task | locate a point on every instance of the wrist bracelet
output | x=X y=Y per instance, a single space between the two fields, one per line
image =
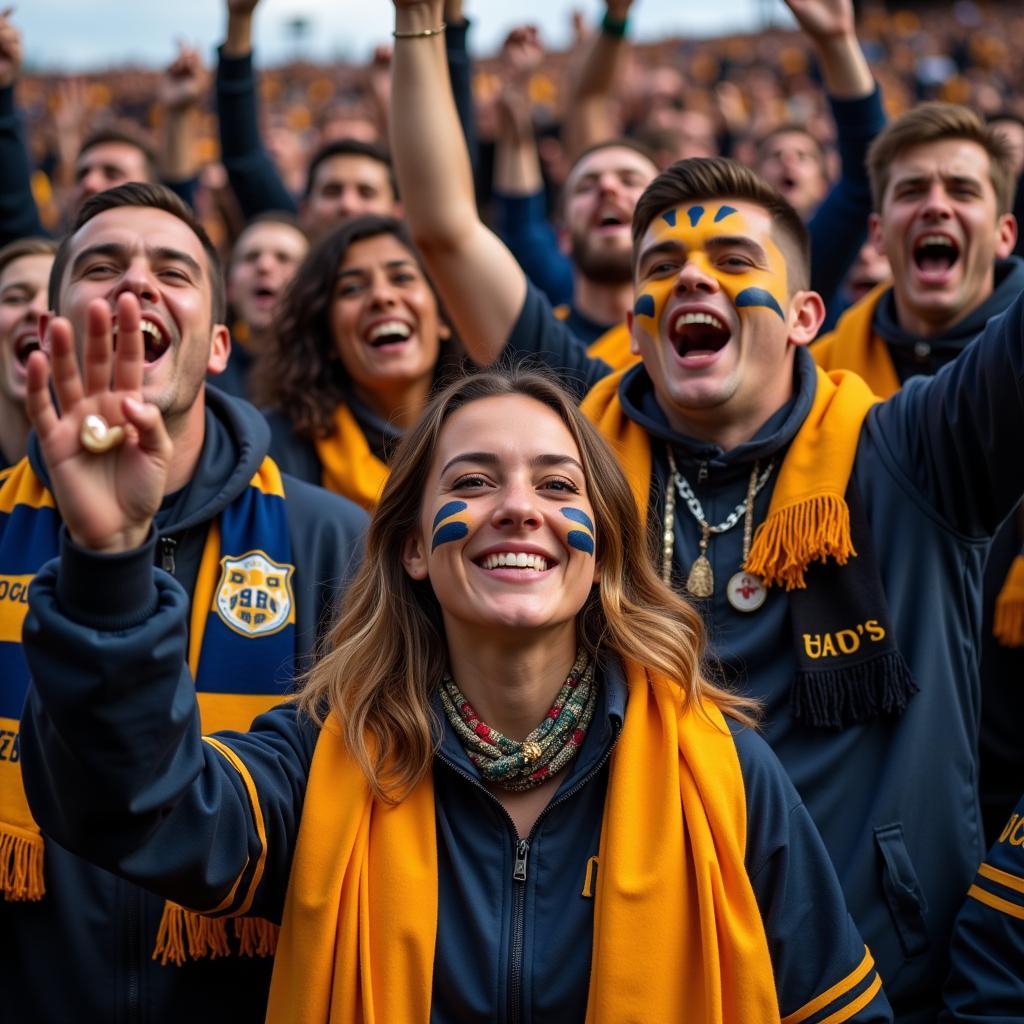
x=427 y=32
x=613 y=26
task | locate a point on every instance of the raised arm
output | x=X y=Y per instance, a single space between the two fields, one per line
x=19 y=217
x=251 y=171
x=182 y=88
x=589 y=117
x=482 y=285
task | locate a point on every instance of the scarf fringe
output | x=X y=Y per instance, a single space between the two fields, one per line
x=184 y=935
x=837 y=698
x=791 y=538
x=1008 y=624
x=21 y=866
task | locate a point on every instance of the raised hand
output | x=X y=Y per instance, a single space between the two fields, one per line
x=521 y=55
x=242 y=7
x=824 y=18
x=108 y=500
x=184 y=82
x=10 y=49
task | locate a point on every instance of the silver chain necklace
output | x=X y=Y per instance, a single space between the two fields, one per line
x=701 y=581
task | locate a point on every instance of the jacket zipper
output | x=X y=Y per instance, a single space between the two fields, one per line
x=167 y=547
x=519 y=870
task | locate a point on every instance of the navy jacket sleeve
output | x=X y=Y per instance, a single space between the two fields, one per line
x=823 y=970
x=19 y=217
x=253 y=176
x=114 y=764
x=460 y=72
x=523 y=225
x=955 y=438
x=986 y=980
x=185 y=190
x=839 y=226
x=538 y=336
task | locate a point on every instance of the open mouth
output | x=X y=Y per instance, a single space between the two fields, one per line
x=935 y=254
x=24 y=346
x=698 y=334
x=264 y=295
x=610 y=218
x=390 y=332
x=519 y=560
x=154 y=339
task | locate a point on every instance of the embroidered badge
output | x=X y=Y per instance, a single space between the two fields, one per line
x=254 y=595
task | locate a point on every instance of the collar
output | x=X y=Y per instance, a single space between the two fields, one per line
x=381 y=435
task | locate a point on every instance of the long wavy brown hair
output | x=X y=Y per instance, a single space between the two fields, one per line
x=387 y=653
x=299 y=372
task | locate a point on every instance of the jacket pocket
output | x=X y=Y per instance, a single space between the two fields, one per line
x=902 y=890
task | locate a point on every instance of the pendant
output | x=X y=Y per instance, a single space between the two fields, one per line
x=746 y=592
x=701 y=581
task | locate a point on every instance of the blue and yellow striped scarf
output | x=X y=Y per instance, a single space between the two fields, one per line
x=241 y=655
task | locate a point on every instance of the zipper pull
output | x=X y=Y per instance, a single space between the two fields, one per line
x=167 y=546
x=702 y=472
x=522 y=849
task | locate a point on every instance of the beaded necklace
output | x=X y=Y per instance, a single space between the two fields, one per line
x=546 y=751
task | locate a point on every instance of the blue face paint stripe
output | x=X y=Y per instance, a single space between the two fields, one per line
x=723 y=212
x=449 y=532
x=695 y=213
x=759 y=297
x=577 y=515
x=644 y=306
x=448 y=510
x=581 y=541
x=669 y=217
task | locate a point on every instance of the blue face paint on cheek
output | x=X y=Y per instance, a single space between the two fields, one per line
x=577 y=538
x=751 y=297
x=444 y=532
x=644 y=306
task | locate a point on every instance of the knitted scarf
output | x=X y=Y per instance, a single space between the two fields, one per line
x=349 y=467
x=613 y=348
x=855 y=346
x=676 y=923
x=241 y=654
x=849 y=669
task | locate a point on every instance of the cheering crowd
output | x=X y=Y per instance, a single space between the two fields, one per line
x=534 y=542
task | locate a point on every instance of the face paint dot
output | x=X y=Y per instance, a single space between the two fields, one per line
x=723 y=212
x=669 y=217
x=449 y=532
x=577 y=515
x=695 y=213
x=759 y=297
x=644 y=306
x=448 y=510
x=580 y=541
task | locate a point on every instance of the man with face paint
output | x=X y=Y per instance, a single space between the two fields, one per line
x=943 y=184
x=835 y=545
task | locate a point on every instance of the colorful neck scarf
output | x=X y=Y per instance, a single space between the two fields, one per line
x=349 y=467
x=853 y=671
x=546 y=751
x=241 y=655
x=676 y=922
x=614 y=348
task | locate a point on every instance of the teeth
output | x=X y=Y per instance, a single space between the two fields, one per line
x=515 y=560
x=390 y=327
x=935 y=240
x=146 y=327
x=686 y=319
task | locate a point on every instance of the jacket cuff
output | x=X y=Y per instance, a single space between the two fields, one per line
x=7 y=108
x=233 y=69
x=866 y=112
x=455 y=35
x=106 y=592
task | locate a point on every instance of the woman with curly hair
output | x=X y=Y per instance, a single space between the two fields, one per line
x=359 y=343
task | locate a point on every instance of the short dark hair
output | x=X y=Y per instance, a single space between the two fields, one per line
x=22 y=247
x=283 y=217
x=101 y=136
x=791 y=128
x=156 y=197
x=620 y=142
x=717 y=177
x=350 y=147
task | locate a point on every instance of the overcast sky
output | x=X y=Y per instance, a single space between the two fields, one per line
x=84 y=34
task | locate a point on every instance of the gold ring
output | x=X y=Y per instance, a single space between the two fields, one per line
x=97 y=436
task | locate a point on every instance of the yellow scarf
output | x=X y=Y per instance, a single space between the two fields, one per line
x=349 y=467
x=854 y=346
x=613 y=348
x=676 y=925
x=808 y=518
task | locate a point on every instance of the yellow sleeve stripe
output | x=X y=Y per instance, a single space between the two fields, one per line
x=857 y=1005
x=837 y=990
x=996 y=902
x=1002 y=877
x=261 y=831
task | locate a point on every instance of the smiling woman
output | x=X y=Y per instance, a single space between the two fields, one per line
x=507 y=790
x=359 y=344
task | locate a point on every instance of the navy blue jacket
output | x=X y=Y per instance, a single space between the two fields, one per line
x=838 y=227
x=176 y=817
x=100 y=929
x=938 y=468
x=986 y=982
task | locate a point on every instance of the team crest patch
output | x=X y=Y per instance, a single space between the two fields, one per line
x=254 y=595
